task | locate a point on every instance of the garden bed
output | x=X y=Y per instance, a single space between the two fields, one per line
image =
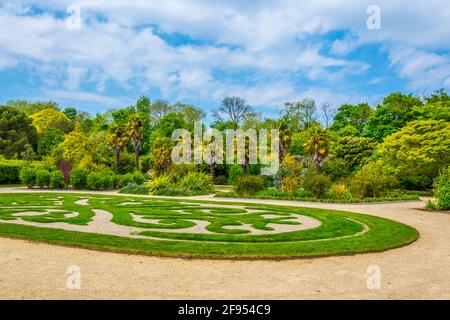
x=189 y=228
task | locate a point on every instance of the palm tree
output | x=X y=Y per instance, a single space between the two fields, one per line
x=285 y=136
x=117 y=140
x=135 y=129
x=318 y=145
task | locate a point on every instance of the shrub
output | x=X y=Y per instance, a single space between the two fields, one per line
x=133 y=188
x=134 y=178
x=126 y=163
x=172 y=190
x=42 y=178
x=291 y=184
x=441 y=186
x=159 y=183
x=430 y=205
x=220 y=180
x=316 y=183
x=371 y=182
x=254 y=169
x=10 y=171
x=100 y=180
x=197 y=182
x=28 y=176
x=78 y=178
x=339 y=191
x=336 y=169
x=57 y=180
x=146 y=162
x=249 y=184
x=234 y=173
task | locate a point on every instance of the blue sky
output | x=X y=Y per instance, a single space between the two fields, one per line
x=268 y=52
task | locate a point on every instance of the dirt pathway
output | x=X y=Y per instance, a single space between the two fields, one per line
x=418 y=271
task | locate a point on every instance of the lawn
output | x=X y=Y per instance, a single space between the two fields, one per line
x=174 y=227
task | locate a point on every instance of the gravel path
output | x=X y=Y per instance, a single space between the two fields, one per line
x=419 y=271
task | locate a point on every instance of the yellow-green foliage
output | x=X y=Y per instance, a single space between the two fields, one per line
x=371 y=181
x=50 y=118
x=158 y=183
x=418 y=151
x=74 y=147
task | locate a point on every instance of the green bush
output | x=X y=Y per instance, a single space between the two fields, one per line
x=316 y=183
x=159 y=183
x=10 y=171
x=57 y=180
x=135 y=178
x=102 y=180
x=254 y=169
x=220 y=180
x=28 y=176
x=234 y=173
x=78 y=178
x=133 y=188
x=441 y=187
x=126 y=163
x=249 y=184
x=429 y=205
x=172 y=190
x=193 y=183
x=371 y=182
x=339 y=191
x=197 y=182
x=336 y=169
x=42 y=178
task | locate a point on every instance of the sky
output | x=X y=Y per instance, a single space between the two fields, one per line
x=101 y=54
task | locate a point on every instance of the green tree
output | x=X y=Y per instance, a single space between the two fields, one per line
x=16 y=132
x=158 y=110
x=318 y=144
x=74 y=147
x=51 y=118
x=354 y=150
x=301 y=114
x=356 y=116
x=391 y=115
x=439 y=96
x=30 y=108
x=189 y=112
x=135 y=131
x=417 y=152
x=48 y=141
x=71 y=113
x=117 y=139
x=161 y=154
x=169 y=123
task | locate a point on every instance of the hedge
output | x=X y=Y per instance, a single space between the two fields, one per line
x=10 y=171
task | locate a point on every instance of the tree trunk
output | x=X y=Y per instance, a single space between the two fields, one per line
x=117 y=160
x=136 y=154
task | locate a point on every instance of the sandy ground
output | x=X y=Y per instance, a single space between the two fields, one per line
x=419 y=271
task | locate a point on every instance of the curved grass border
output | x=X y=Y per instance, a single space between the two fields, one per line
x=383 y=234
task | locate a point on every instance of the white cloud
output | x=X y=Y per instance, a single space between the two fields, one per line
x=85 y=97
x=424 y=70
x=271 y=44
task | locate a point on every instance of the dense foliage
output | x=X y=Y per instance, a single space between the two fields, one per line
x=354 y=153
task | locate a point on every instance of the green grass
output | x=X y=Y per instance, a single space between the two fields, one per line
x=174 y=214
